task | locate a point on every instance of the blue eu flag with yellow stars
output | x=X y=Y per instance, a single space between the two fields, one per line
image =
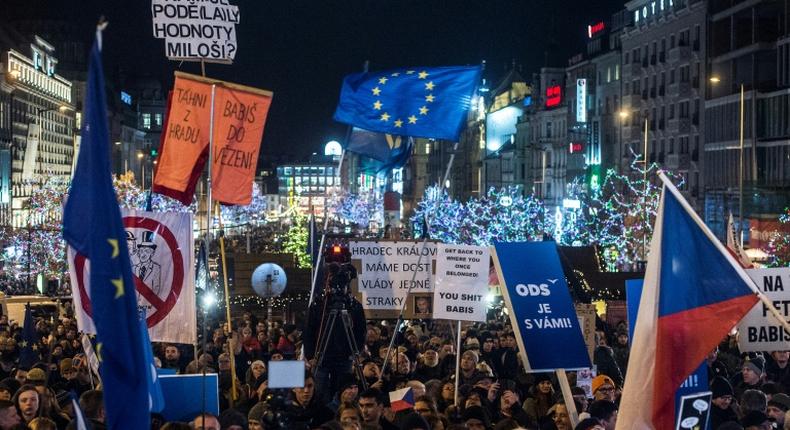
x=28 y=348
x=92 y=225
x=418 y=102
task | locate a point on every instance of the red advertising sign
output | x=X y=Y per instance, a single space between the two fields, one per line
x=594 y=29
x=553 y=96
x=576 y=147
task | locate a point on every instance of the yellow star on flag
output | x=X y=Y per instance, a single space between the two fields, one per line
x=118 y=287
x=35 y=347
x=429 y=86
x=396 y=74
x=412 y=119
x=114 y=244
x=410 y=72
x=422 y=75
x=376 y=91
x=383 y=80
x=377 y=105
x=23 y=344
x=423 y=110
x=398 y=123
x=385 y=116
x=429 y=98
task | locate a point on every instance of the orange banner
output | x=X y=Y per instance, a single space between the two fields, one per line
x=239 y=117
x=185 y=137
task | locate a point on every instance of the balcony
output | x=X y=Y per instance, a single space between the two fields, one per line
x=677 y=161
x=679 y=53
x=679 y=89
x=677 y=126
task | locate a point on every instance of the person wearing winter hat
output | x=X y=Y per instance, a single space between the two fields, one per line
x=753 y=370
x=778 y=407
x=255 y=416
x=603 y=388
x=722 y=409
x=541 y=397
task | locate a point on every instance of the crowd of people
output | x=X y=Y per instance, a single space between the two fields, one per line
x=352 y=392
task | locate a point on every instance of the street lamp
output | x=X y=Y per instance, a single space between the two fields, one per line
x=715 y=80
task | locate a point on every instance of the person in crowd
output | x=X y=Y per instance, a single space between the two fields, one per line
x=753 y=373
x=756 y=420
x=753 y=401
x=560 y=417
x=777 y=408
x=722 y=407
x=9 y=415
x=605 y=412
x=348 y=413
x=603 y=388
x=172 y=358
x=428 y=366
x=306 y=408
x=205 y=421
x=28 y=402
x=777 y=369
x=372 y=407
x=541 y=397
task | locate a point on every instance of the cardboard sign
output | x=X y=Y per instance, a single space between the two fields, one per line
x=385 y=271
x=196 y=30
x=758 y=330
x=542 y=314
x=461 y=282
x=586 y=314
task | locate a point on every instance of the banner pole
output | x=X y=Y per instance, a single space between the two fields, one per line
x=457 y=363
x=567 y=395
x=419 y=260
x=227 y=306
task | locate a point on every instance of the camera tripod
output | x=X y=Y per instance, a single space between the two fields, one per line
x=326 y=335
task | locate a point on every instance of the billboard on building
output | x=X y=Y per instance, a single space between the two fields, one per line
x=581 y=100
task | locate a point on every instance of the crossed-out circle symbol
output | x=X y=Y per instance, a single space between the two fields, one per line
x=163 y=307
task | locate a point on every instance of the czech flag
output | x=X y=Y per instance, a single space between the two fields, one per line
x=401 y=399
x=694 y=294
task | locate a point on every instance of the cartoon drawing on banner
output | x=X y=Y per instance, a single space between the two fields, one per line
x=148 y=270
x=131 y=244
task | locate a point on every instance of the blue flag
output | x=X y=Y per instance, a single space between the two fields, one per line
x=92 y=225
x=419 y=102
x=382 y=152
x=28 y=349
x=154 y=387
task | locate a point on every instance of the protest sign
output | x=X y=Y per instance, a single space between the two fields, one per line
x=184 y=396
x=586 y=314
x=240 y=113
x=385 y=271
x=584 y=379
x=161 y=253
x=694 y=411
x=759 y=330
x=461 y=282
x=196 y=30
x=542 y=314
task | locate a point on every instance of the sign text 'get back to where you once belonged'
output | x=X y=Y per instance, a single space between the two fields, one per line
x=759 y=330
x=386 y=270
x=461 y=282
x=197 y=29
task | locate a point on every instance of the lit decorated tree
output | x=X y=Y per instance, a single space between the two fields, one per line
x=295 y=240
x=358 y=209
x=503 y=215
x=779 y=244
x=252 y=213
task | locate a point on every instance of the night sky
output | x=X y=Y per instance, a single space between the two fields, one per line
x=301 y=49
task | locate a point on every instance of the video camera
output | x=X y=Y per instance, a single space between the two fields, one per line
x=339 y=278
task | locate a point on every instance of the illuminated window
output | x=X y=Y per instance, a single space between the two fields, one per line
x=427 y=149
x=158 y=119
x=146 y=120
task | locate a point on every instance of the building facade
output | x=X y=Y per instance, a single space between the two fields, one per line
x=663 y=69
x=38 y=122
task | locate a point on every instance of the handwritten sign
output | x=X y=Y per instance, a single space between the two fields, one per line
x=386 y=270
x=204 y=30
x=461 y=282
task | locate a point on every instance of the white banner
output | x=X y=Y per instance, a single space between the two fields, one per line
x=386 y=269
x=758 y=330
x=161 y=251
x=195 y=30
x=581 y=100
x=31 y=152
x=461 y=282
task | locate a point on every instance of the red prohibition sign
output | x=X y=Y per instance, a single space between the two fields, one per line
x=163 y=307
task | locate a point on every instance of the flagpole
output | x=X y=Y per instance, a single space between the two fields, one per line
x=457 y=363
x=736 y=265
x=231 y=348
x=419 y=261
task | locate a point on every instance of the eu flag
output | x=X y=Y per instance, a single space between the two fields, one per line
x=418 y=102
x=28 y=349
x=92 y=225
